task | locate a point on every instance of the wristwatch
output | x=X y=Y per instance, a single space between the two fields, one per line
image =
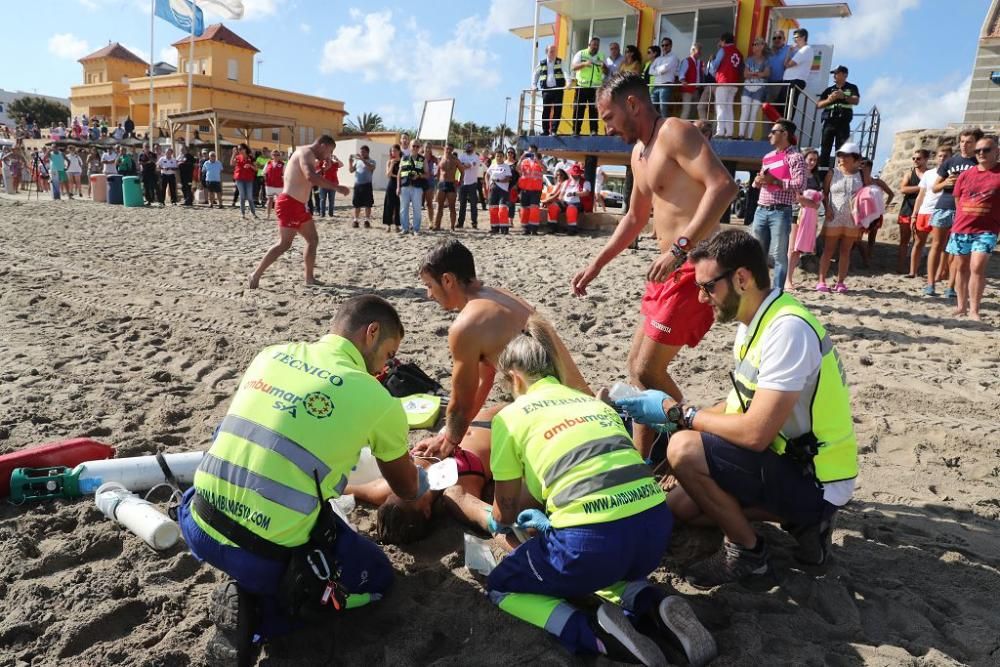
x=675 y=414
x=689 y=415
x=681 y=247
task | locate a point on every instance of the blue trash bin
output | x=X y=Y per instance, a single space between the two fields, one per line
x=115 y=190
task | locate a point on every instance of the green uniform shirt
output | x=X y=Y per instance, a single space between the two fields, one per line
x=574 y=455
x=299 y=407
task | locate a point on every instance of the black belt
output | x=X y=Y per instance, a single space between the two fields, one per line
x=775 y=207
x=237 y=534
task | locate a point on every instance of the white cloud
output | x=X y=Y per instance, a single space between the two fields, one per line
x=507 y=14
x=255 y=9
x=871 y=27
x=427 y=68
x=168 y=54
x=67 y=45
x=946 y=101
x=305 y=27
x=137 y=50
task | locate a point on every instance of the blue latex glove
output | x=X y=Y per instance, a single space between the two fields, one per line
x=647 y=408
x=423 y=483
x=494 y=526
x=533 y=519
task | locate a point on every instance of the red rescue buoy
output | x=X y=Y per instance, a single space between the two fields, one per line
x=69 y=453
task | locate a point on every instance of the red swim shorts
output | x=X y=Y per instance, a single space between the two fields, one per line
x=923 y=224
x=673 y=313
x=291 y=213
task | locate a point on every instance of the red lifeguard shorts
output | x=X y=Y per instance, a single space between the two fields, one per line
x=674 y=316
x=291 y=213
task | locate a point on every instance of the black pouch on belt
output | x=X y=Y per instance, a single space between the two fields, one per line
x=310 y=587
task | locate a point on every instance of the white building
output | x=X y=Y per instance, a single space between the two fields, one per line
x=8 y=96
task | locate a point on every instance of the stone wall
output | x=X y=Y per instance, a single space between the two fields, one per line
x=902 y=149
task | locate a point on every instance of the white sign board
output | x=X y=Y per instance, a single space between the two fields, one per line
x=819 y=69
x=435 y=121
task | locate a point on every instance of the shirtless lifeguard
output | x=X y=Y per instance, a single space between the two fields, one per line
x=290 y=206
x=674 y=167
x=488 y=319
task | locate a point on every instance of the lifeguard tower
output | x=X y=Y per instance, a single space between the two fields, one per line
x=642 y=23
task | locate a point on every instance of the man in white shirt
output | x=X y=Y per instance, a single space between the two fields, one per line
x=664 y=73
x=108 y=159
x=615 y=58
x=797 y=68
x=468 y=191
x=168 y=177
x=782 y=446
x=551 y=80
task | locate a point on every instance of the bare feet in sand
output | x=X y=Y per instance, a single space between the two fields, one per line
x=961 y=312
x=789 y=287
x=975 y=316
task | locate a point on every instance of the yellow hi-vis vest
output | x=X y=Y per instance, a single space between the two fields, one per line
x=824 y=405
x=574 y=455
x=300 y=407
x=592 y=75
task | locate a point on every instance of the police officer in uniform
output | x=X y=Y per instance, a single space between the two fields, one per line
x=782 y=446
x=837 y=102
x=605 y=525
x=258 y=509
x=550 y=79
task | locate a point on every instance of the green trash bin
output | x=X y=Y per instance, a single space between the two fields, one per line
x=132 y=191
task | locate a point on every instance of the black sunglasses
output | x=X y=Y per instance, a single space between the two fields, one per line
x=709 y=287
x=982 y=151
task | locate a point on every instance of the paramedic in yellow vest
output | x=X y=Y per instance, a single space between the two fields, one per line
x=782 y=446
x=295 y=429
x=605 y=524
x=589 y=67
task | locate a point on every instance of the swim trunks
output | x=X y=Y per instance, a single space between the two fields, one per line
x=468 y=463
x=291 y=213
x=446 y=187
x=673 y=313
x=923 y=223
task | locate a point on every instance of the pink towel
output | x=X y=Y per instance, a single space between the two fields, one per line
x=805 y=233
x=868 y=205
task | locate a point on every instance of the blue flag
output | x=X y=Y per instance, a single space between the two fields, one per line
x=179 y=12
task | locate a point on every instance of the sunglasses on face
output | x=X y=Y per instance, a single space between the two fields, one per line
x=709 y=287
x=777 y=130
x=983 y=151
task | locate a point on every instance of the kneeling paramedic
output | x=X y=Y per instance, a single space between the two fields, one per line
x=606 y=528
x=782 y=446
x=259 y=507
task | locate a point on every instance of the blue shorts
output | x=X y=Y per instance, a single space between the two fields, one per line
x=765 y=479
x=942 y=219
x=966 y=244
x=364 y=567
x=575 y=562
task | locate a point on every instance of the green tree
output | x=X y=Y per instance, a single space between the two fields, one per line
x=42 y=111
x=364 y=123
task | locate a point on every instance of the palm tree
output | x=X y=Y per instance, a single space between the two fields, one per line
x=364 y=124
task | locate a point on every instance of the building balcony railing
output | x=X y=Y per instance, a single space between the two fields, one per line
x=567 y=118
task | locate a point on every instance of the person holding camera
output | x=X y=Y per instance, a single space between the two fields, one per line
x=362 y=166
x=837 y=103
x=782 y=446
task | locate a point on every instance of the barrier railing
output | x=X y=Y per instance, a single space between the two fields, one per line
x=560 y=112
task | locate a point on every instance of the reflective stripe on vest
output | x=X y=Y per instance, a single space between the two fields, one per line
x=252 y=432
x=576 y=455
x=824 y=404
x=542 y=73
x=276 y=492
x=411 y=169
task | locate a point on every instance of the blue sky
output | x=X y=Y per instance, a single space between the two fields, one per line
x=912 y=58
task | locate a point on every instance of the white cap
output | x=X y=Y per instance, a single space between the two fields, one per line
x=849 y=148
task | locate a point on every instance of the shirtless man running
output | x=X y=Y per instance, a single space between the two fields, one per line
x=674 y=167
x=290 y=207
x=488 y=319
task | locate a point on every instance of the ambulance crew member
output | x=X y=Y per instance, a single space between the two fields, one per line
x=531 y=183
x=499 y=175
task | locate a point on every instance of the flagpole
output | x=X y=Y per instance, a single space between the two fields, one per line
x=152 y=14
x=190 y=64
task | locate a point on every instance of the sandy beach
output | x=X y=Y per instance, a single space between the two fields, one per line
x=133 y=326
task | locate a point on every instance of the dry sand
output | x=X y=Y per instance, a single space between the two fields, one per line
x=133 y=326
